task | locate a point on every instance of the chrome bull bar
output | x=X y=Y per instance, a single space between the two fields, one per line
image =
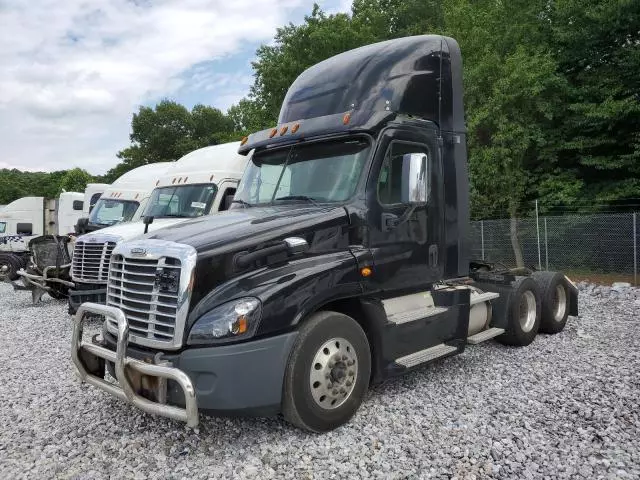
x=125 y=391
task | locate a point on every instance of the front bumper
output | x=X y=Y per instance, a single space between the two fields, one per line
x=238 y=379
x=81 y=293
x=125 y=365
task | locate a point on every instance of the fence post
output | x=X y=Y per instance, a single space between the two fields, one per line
x=482 y=236
x=635 y=250
x=546 y=245
x=538 y=232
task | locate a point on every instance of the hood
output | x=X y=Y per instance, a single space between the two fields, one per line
x=249 y=226
x=130 y=230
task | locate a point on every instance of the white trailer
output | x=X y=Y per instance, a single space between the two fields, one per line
x=30 y=217
x=125 y=199
x=203 y=182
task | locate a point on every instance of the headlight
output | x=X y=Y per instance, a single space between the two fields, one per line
x=230 y=321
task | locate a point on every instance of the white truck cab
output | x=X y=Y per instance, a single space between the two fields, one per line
x=31 y=217
x=125 y=199
x=92 y=194
x=203 y=182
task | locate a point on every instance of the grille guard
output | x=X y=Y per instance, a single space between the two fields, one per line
x=125 y=390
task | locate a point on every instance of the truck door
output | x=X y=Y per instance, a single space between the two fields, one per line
x=408 y=256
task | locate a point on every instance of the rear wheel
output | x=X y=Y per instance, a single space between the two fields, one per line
x=554 y=292
x=327 y=374
x=524 y=314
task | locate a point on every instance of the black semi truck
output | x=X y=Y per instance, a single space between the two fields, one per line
x=343 y=261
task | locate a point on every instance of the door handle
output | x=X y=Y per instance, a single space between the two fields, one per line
x=433 y=255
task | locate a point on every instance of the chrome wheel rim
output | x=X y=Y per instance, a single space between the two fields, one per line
x=333 y=375
x=559 y=303
x=527 y=311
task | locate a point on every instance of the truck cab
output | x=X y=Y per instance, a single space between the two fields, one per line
x=92 y=194
x=124 y=200
x=31 y=217
x=200 y=183
x=343 y=260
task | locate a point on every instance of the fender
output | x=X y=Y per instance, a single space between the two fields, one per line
x=289 y=291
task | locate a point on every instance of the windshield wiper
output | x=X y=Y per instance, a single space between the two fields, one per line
x=241 y=202
x=298 y=197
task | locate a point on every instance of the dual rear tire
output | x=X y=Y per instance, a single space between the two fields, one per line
x=539 y=303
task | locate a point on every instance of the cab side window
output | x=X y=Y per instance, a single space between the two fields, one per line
x=390 y=179
x=24 y=229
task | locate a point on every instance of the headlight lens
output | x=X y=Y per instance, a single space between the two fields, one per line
x=230 y=321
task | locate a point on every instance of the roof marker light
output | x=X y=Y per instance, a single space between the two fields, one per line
x=346 y=118
x=244 y=140
x=283 y=130
x=295 y=128
x=174 y=181
x=273 y=133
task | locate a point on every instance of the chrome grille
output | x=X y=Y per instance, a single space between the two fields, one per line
x=90 y=261
x=134 y=287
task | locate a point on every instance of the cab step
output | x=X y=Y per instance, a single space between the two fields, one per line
x=410 y=308
x=484 y=335
x=425 y=355
x=417 y=314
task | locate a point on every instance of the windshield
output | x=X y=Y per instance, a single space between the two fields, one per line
x=110 y=212
x=319 y=172
x=3 y=227
x=181 y=201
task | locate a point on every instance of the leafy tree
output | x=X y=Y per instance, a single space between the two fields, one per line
x=168 y=131
x=75 y=180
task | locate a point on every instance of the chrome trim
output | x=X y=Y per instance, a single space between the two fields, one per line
x=125 y=391
x=159 y=250
x=93 y=239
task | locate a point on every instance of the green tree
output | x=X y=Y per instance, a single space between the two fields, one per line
x=75 y=180
x=168 y=131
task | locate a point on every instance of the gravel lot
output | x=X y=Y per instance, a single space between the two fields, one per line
x=565 y=407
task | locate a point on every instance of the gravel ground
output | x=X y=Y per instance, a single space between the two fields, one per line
x=565 y=407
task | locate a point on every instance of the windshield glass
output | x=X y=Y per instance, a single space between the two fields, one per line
x=3 y=227
x=181 y=201
x=321 y=172
x=110 y=212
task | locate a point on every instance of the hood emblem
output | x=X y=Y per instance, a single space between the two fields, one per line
x=138 y=252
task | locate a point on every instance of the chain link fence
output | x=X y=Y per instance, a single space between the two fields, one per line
x=586 y=244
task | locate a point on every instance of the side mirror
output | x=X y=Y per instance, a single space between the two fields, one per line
x=81 y=226
x=415 y=179
x=147 y=220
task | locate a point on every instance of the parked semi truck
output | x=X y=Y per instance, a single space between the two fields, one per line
x=344 y=260
x=31 y=217
x=199 y=183
x=92 y=194
x=123 y=200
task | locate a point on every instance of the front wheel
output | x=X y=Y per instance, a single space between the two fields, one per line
x=327 y=374
x=9 y=266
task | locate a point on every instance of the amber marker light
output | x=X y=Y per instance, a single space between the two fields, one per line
x=295 y=128
x=157 y=183
x=283 y=130
x=366 y=272
x=273 y=133
x=346 y=119
x=244 y=140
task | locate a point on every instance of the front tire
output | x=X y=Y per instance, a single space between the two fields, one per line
x=9 y=266
x=327 y=374
x=524 y=313
x=555 y=301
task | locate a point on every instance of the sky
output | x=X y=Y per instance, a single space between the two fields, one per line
x=73 y=72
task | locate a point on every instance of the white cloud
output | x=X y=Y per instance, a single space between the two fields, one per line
x=74 y=71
